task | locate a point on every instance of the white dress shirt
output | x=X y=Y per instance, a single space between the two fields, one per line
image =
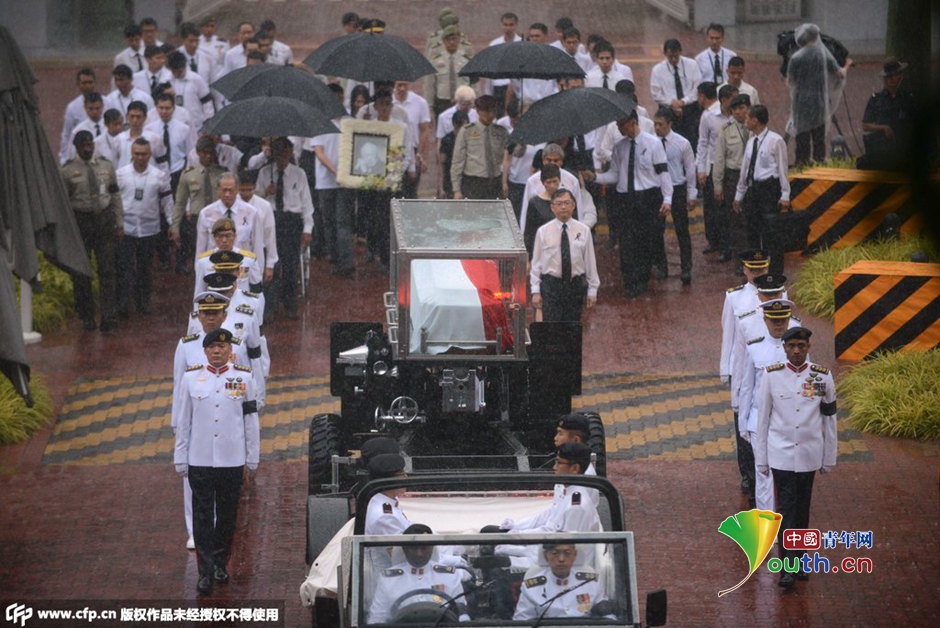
x=134 y=59
x=709 y=127
x=192 y=94
x=608 y=136
x=226 y=156
x=445 y=121
x=267 y=223
x=416 y=107
x=205 y=63
x=595 y=78
x=329 y=142
x=772 y=163
x=531 y=90
x=142 y=215
x=234 y=59
x=143 y=79
x=650 y=168
x=663 y=82
x=706 y=64
x=218 y=47
x=297 y=197
x=681 y=160
x=125 y=141
x=74 y=115
x=546 y=255
x=502 y=40
x=182 y=140
x=249 y=227
x=747 y=88
x=109 y=147
x=280 y=54
x=121 y=102
x=534 y=187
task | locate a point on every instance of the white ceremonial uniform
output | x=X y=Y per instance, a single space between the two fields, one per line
x=121 y=102
x=249 y=229
x=546 y=256
x=145 y=80
x=192 y=94
x=182 y=140
x=534 y=187
x=241 y=321
x=797 y=423
x=738 y=300
x=586 y=591
x=384 y=516
x=394 y=582
x=709 y=127
x=445 y=121
x=747 y=325
x=595 y=78
x=772 y=163
x=142 y=216
x=211 y=429
x=681 y=161
x=132 y=58
x=663 y=82
x=296 y=190
x=572 y=510
x=706 y=64
x=255 y=302
x=248 y=272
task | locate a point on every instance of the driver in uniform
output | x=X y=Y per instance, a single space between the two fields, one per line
x=557 y=592
x=418 y=579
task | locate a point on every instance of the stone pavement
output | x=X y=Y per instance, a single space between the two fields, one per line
x=91 y=506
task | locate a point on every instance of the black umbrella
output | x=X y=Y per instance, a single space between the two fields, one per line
x=265 y=116
x=285 y=81
x=572 y=112
x=367 y=57
x=34 y=206
x=522 y=59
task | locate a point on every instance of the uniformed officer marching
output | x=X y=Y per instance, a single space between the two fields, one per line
x=557 y=592
x=217 y=436
x=761 y=351
x=477 y=163
x=418 y=571
x=196 y=190
x=225 y=257
x=448 y=57
x=797 y=433
x=245 y=309
x=95 y=199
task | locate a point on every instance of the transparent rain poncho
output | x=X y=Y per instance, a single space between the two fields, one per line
x=815 y=80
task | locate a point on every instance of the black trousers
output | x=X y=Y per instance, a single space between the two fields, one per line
x=135 y=259
x=562 y=301
x=99 y=235
x=516 y=192
x=711 y=214
x=815 y=139
x=637 y=217
x=687 y=124
x=762 y=198
x=735 y=228
x=499 y=93
x=440 y=106
x=336 y=206
x=288 y=232
x=794 y=494
x=745 y=455
x=680 y=221
x=187 y=250
x=378 y=213
x=481 y=187
x=216 y=491
x=163 y=242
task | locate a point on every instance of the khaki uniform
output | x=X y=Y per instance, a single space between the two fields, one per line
x=729 y=151
x=478 y=154
x=434 y=39
x=191 y=195
x=99 y=212
x=441 y=86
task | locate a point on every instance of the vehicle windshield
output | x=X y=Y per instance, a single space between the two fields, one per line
x=494 y=580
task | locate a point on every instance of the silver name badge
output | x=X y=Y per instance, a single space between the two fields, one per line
x=138 y=194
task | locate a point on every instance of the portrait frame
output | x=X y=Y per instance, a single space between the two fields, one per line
x=352 y=170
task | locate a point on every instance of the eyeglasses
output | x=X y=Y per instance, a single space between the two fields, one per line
x=562 y=203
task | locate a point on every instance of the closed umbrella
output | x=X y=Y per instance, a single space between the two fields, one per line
x=572 y=112
x=265 y=116
x=522 y=59
x=368 y=57
x=284 y=81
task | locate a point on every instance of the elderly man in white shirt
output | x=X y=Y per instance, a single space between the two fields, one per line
x=551 y=154
x=249 y=233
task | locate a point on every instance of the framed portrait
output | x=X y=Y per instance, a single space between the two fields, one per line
x=371 y=155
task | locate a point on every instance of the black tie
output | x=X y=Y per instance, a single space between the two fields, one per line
x=207 y=189
x=279 y=192
x=97 y=130
x=753 y=164
x=631 y=164
x=140 y=65
x=679 y=93
x=717 y=70
x=192 y=64
x=228 y=213
x=153 y=83
x=166 y=143
x=565 y=254
x=605 y=82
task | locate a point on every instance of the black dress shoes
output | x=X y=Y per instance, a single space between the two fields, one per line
x=204 y=586
x=686 y=277
x=220 y=575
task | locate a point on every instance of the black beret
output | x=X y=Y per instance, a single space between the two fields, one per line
x=575 y=422
x=418 y=528
x=377 y=446
x=799 y=333
x=217 y=335
x=740 y=99
x=385 y=466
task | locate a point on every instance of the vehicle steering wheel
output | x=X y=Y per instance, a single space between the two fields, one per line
x=429 y=611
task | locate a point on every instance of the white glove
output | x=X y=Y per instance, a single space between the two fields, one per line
x=725 y=379
x=182 y=469
x=464 y=617
x=507 y=524
x=746 y=436
x=826 y=469
x=763 y=469
x=252 y=466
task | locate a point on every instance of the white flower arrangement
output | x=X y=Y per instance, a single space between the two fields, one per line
x=390 y=135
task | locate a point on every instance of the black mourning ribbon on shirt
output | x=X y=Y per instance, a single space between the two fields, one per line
x=753 y=163
x=565 y=254
x=679 y=93
x=279 y=192
x=631 y=166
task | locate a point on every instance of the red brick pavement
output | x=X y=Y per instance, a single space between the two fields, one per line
x=115 y=531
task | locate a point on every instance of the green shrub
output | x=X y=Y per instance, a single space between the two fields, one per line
x=55 y=305
x=17 y=422
x=847 y=163
x=896 y=394
x=814 y=288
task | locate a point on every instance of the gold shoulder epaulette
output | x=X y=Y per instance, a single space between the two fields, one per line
x=535 y=582
x=205 y=254
x=736 y=288
x=253 y=295
x=755 y=340
x=774 y=367
x=585 y=575
x=248 y=254
x=389 y=573
x=818 y=369
x=444 y=568
x=746 y=314
x=190 y=337
x=194 y=367
x=244 y=308
x=242 y=367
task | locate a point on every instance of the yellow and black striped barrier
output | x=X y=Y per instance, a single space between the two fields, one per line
x=886 y=305
x=848 y=206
